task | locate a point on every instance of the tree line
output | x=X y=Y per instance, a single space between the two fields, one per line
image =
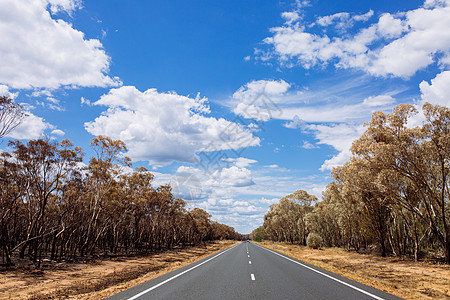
x=53 y=206
x=392 y=195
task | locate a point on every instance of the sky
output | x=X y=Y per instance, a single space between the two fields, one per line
x=236 y=104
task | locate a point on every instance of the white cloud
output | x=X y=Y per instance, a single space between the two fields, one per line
x=308 y=145
x=39 y=51
x=397 y=45
x=241 y=162
x=438 y=92
x=257 y=99
x=165 y=127
x=68 y=6
x=340 y=137
x=380 y=100
x=4 y=91
x=232 y=177
x=58 y=132
x=328 y=20
x=85 y=101
x=290 y=16
x=295 y=123
x=391 y=27
x=332 y=112
x=343 y=20
x=272 y=166
x=363 y=17
x=52 y=104
x=32 y=127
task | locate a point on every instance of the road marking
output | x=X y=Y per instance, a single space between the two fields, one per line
x=178 y=275
x=326 y=275
x=252 y=276
x=248 y=255
x=249 y=262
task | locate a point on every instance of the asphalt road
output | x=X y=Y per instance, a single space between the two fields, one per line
x=249 y=271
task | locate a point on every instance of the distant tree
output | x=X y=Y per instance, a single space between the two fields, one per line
x=258 y=234
x=11 y=115
x=285 y=220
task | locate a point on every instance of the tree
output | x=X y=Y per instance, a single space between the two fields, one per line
x=11 y=115
x=285 y=220
x=417 y=156
x=103 y=170
x=44 y=166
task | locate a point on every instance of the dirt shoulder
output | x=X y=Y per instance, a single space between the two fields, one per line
x=98 y=279
x=403 y=278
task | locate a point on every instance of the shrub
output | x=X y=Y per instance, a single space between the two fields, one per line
x=314 y=240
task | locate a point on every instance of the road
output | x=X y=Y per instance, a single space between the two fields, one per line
x=249 y=271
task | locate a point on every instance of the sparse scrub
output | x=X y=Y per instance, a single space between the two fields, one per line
x=314 y=240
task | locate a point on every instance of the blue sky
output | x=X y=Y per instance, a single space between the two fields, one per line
x=234 y=103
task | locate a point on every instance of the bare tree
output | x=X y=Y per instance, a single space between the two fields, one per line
x=11 y=115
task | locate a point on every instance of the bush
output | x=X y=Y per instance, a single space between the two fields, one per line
x=314 y=240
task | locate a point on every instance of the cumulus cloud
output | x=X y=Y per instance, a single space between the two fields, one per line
x=295 y=123
x=165 y=127
x=39 y=51
x=438 y=92
x=257 y=99
x=340 y=137
x=32 y=127
x=4 y=91
x=241 y=162
x=68 y=6
x=343 y=20
x=396 y=45
x=232 y=177
x=332 y=112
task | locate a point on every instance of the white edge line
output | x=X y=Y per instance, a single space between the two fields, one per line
x=326 y=275
x=173 y=277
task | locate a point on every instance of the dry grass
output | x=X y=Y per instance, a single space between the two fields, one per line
x=100 y=279
x=403 y=278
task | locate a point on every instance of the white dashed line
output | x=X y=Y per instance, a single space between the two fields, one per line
x=250 y=262
x=252 y=276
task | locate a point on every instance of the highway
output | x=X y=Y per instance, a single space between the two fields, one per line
x=249 y=271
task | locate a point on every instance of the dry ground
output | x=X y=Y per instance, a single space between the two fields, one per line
x=99 y=279
x=400 y=277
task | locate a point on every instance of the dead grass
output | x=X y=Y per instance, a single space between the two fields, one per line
x=99 y=279
x=401 y=277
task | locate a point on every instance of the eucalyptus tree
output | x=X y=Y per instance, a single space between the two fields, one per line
x=417 y=155
x=44 y=166
x=11 y=115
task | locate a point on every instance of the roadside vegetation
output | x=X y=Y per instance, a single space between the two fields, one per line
x=54 y=208
x=391 y=198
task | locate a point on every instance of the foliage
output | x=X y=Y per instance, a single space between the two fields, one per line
x=55 y=207
x=393 y=194
x=314 y=240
